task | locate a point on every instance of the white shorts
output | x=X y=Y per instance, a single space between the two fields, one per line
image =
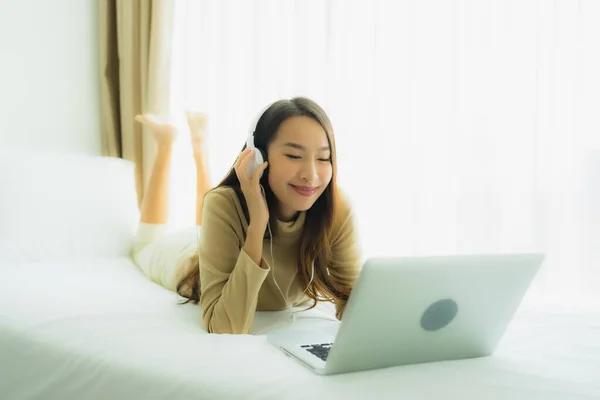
x=164 y=256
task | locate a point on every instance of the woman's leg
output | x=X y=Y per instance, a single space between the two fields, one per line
x=156 y=254
x=197 y=123
x=154 y=208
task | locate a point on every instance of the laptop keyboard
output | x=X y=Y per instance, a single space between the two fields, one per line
x=319 y=350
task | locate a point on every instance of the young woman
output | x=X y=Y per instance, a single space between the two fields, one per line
x=270 y=239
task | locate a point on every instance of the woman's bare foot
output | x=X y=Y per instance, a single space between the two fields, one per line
x=164 y=133
x=197 y=122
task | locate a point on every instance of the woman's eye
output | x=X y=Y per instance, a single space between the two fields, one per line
x=325 y=159
x=293 y=157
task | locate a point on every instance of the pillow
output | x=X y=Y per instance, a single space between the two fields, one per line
x=58 y=206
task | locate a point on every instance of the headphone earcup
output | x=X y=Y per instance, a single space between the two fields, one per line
x=259 y=156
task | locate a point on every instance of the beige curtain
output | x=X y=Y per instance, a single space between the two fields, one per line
x=135 y=56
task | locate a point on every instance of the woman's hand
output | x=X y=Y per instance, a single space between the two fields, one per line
x=250 y=184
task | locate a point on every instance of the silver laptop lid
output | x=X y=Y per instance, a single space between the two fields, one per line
x=420 y=309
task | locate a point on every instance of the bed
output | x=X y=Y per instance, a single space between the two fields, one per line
x=81 y=322
x=97 y=329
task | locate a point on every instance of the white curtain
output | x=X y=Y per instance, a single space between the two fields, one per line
x=462 y=126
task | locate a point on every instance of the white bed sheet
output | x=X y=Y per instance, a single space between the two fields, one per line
x=97 y=329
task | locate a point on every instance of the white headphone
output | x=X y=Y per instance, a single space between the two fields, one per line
x=259 y=154
x=259 y=158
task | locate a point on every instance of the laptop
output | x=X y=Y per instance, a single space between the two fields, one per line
x=415 y=310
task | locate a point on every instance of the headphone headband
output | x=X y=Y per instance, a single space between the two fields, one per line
x=252 y=129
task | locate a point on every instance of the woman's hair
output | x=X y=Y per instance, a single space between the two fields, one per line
x=315 y=244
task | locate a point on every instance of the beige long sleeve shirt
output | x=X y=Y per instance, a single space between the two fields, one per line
x=233 y=287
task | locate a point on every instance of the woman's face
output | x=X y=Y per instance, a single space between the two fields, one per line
x=299 y=165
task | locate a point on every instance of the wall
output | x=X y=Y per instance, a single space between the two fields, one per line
x=49 y=75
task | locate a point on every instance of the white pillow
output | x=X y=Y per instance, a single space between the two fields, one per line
x=60 y=206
